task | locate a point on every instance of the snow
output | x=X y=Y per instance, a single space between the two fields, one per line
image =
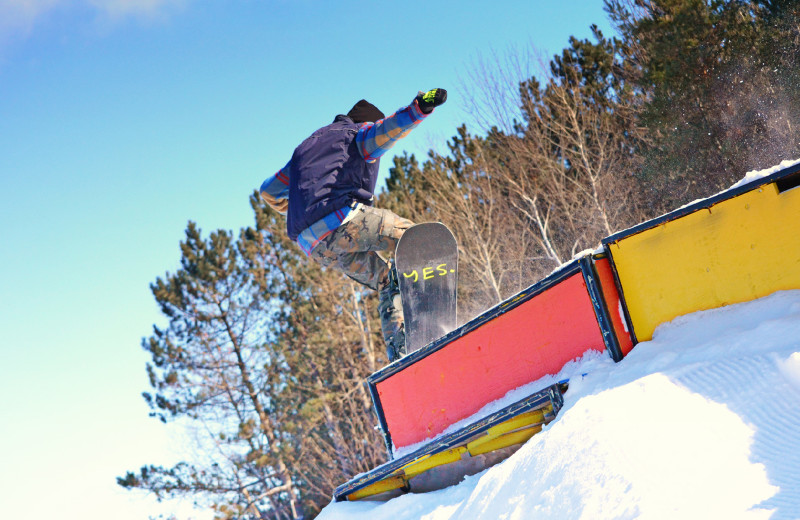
x=622 y=317
x=760 y=174
x=703 y=421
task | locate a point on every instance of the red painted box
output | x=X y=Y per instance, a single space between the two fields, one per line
x=531 y=335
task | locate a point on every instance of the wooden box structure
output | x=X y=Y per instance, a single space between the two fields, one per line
x=737 y=246
x=531 y=335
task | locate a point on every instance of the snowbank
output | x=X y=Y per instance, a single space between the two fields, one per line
x=701 y=422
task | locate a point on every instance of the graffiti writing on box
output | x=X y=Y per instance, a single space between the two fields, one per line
x=429 y=273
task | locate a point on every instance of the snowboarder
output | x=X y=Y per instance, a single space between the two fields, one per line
x=326 y=192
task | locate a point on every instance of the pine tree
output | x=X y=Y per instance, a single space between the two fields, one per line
x=266 y=354
x=211 y=366
x=720 y=78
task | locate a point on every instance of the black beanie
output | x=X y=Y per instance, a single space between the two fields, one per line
x=365 y=112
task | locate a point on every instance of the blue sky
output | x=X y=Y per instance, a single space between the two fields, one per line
x=121 y=120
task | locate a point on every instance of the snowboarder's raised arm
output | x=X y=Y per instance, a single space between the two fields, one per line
x=375 y=139
x=275 y=190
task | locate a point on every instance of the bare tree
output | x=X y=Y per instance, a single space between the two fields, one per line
x=568 y=161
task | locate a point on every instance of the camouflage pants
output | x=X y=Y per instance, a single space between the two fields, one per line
x=354 y=250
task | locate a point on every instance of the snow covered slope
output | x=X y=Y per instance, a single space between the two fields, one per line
x=701 y=422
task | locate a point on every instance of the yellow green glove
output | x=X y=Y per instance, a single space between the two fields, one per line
x=431 y=99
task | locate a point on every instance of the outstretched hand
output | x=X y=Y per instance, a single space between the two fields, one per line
x=431 y=99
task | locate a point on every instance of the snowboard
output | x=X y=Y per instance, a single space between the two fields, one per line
x=427 y=270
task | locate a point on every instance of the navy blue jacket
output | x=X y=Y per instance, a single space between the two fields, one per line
x=328 y=173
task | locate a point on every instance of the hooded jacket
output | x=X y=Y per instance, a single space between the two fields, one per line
x=334 y=169
x=328 y=173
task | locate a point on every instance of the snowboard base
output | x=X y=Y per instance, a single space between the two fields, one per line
x=427 y=270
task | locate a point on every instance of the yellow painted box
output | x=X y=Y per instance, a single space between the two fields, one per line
x=737 y=246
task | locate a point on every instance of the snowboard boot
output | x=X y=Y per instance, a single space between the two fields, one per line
x=390 y=308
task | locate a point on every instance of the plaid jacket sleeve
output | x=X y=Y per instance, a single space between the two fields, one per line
x=375 y=139
x=275 y=190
